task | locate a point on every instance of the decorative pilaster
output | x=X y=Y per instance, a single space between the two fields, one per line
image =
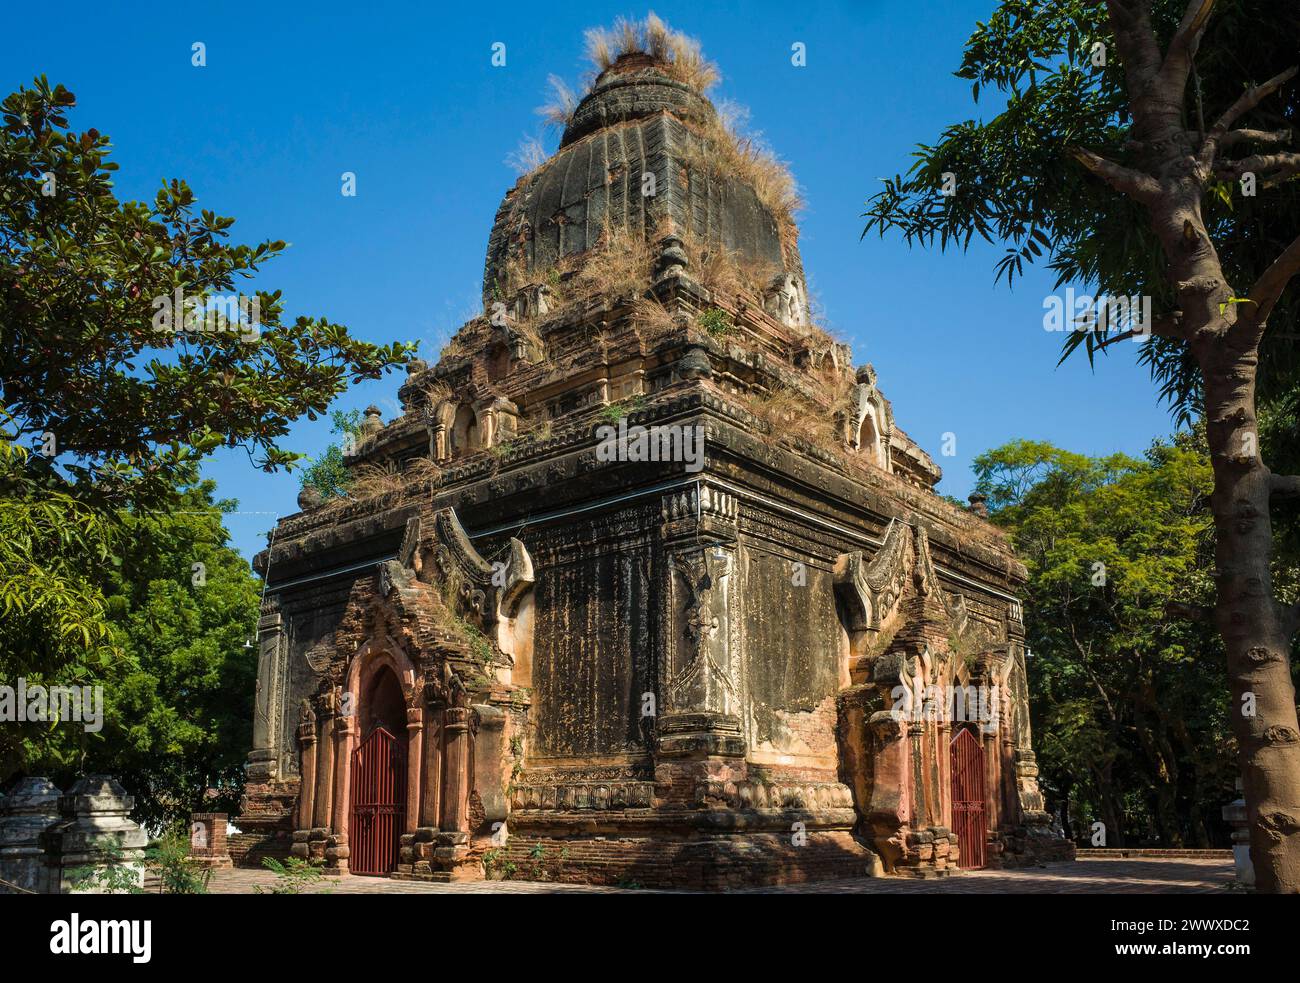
x=263 y=762
x=700 y=678
x=304 y=812
x=336 y=844
x=491 y=758
x=431 y=801
x=414 y=763
x=321 y=817
x=418 y=855
x=307 y=745
x=455 y=805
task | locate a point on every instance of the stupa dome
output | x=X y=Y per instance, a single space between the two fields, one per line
x=643 y=153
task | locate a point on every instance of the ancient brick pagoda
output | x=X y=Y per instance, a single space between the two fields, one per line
x=512 y=655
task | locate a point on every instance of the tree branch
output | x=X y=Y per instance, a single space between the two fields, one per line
x=1272 y=282
x=1247 y=101
x=1131 y=22
x=1165 y=325
x=1188 y=612
x=1262 y=165
x=1254 y=136
x=1135 y=184
x=1182 y=48
x=1168 y=325
x=1284 y=486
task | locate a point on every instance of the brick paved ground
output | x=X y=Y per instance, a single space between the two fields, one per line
x=1107 y=876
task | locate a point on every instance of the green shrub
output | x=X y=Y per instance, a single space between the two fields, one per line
x=716 y=322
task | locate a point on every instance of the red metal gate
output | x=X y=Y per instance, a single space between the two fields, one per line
x=968 y=798
x=378 y=803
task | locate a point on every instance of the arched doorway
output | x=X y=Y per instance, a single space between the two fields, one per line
x=968 y=820
x=379 y=778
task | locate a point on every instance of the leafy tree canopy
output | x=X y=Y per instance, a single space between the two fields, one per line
x=95 y=349
x=181 y=610
x=1130 y=706
x=126 y=355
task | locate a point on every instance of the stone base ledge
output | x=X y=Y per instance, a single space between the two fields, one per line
x=714 y=863
x=1116 y=853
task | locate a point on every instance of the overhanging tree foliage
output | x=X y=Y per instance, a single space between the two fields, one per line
x=97 y=352
x=1126 y=175
x=126 y=355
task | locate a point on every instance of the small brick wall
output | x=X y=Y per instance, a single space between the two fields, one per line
x=249 y=849
x=214 y=850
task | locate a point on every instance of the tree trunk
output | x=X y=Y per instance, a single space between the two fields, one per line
x=1200 y=837
x=1164 y=785
x=1109 y=813
x=1176 y=166
x=1253 y=625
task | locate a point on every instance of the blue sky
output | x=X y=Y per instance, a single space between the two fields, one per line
x=405 y=96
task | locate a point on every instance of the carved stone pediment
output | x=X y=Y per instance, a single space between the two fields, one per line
x=533 y=301
x=869 y=419
x=873 y=590
x=893 y=669
x=957 y=612
x=393 y=575
x=487 y=591
x=787 y=301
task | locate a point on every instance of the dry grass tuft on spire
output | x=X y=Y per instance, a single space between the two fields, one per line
x=558 y=112
x=681 y=57
x=679 y=54
x=527 y=157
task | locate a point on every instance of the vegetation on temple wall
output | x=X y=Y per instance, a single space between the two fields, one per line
x=328 y=473
x=680 y=55
x=371 y=480
x=715 y=322
x=730 y=151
